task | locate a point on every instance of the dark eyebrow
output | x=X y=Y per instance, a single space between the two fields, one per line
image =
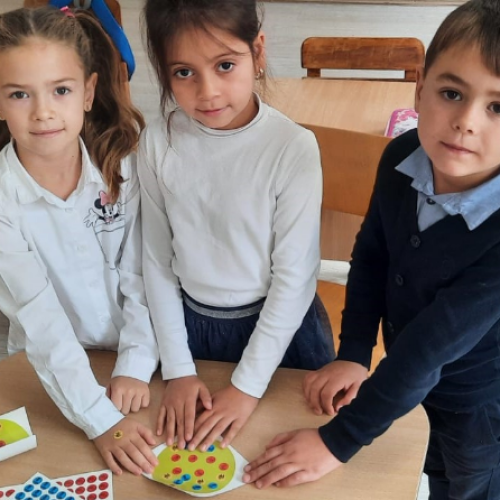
x=22 y=87
x=451 y=77
x=218 y=56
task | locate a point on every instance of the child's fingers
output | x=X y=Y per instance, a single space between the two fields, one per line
x=146 y=399
x=205 y=397
x=117 y=399
x=160 y=421
x=125 y=459
x=146 y=434
x=136 y=403
x=216 y=431
x=179 y=420
x=347 y=397
x=171 y=426
x=111 y=463
x=189 y=418
x=231 y=433
x=205 y=423
x=327 y=396
x=126 y=404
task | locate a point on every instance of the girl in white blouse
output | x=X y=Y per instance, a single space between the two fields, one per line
x=231 y=197
x=70 y=249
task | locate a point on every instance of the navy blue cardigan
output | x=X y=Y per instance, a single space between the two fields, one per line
x=437 y=293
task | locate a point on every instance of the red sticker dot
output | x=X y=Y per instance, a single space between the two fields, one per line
x=92 y=488
x=10 y=493
x=104 y=494
x=3 y=443
x=80 y=480
x=92 y=496
x=176 y=458
x=80 y=490
x=176 y=470
x=1 y=494
x=92 y=479
x=103 y=477
x=68 y=483
x=192 y=458
x=211 y=459
x=199 y=472
x=103 y=486
x=224 y=466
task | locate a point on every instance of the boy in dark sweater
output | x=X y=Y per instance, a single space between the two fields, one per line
x=427 y=264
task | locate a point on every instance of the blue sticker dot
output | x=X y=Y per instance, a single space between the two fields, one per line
x=20 y=496
x=45 y=485
x=211 y=448
x=196 y=487
x=37 y=493
x=212 y=486
x=186 y=477
x=178 y=481
x=70 y=498
x=53 y=490
x=61 y=495
x=45 y=497
x=29 y=487
x=38 y=480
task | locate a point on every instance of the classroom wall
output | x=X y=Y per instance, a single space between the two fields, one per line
x=286 y=24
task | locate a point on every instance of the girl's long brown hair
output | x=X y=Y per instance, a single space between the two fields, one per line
x=111 y=129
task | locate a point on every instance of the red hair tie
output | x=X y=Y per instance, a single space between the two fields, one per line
x=67 y=11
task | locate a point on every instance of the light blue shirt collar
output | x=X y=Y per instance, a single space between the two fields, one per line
x=474 y=205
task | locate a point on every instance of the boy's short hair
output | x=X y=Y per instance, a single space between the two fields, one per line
x=475 y=23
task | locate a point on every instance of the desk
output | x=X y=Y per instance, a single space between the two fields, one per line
x=388 y=470
x=357 y=105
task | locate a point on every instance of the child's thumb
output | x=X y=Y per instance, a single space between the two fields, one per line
x=206 y=398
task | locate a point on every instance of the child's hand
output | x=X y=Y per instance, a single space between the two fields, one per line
x=291 y=458
x=333 y=386
x=178 y=408
x=128 y=444
x=128 y=394
x=231 y=409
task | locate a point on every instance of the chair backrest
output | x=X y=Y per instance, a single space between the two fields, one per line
x=354 y=53
x=349 y=170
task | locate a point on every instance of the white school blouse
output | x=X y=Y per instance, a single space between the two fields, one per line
x=70 y=280
x=230 y=216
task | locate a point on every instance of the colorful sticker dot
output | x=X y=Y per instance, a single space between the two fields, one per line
x=68 y=483
x=2 y=443
x=196 y=487
x=92 y=488
x=61 y=495
x=92 y=496
x=211 y=448
x=212 y=486
x=199 y=472
x=103 y=477
x=103 y=486
x=103 y=495
x=176 y=457
x=45 y=497
x=192 y=458
x=80 y=490
x=178 y=481
x=176 y=470
x=53 y=490
x=29 y=487
x=92 y=479
x=223 y=466
x=186 y=477
x=80 y=480
x=211 y=460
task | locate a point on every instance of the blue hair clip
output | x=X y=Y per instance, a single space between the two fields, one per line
x=110 y=25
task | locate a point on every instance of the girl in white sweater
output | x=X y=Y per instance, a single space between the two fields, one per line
x=231 y=197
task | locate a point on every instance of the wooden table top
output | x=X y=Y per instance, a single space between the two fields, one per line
x=389 y=469
x=357 y=105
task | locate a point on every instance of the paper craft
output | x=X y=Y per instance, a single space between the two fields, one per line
x=198 y=473
x=401 y=121
x=91 y=485
x=15 y=434
x=40 y=487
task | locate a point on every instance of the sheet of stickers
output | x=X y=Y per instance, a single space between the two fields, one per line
x=197 y=473
x=15 y=434
x=87 y=486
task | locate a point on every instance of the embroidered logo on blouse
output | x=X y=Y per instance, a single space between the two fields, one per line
x=105 y=218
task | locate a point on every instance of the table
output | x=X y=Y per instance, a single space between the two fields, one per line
x=357 y=105
x=388 y=470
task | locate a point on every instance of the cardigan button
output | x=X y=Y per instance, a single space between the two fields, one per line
x=430 y=201
x=415 y=241
x=399 y=280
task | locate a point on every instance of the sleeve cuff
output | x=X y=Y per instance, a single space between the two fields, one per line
x=129 y=364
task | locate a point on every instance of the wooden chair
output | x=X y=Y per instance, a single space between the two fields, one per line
x=353 y=53
x=348 y=176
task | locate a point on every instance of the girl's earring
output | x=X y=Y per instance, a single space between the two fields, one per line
x=87 y=107
x=259 y=74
